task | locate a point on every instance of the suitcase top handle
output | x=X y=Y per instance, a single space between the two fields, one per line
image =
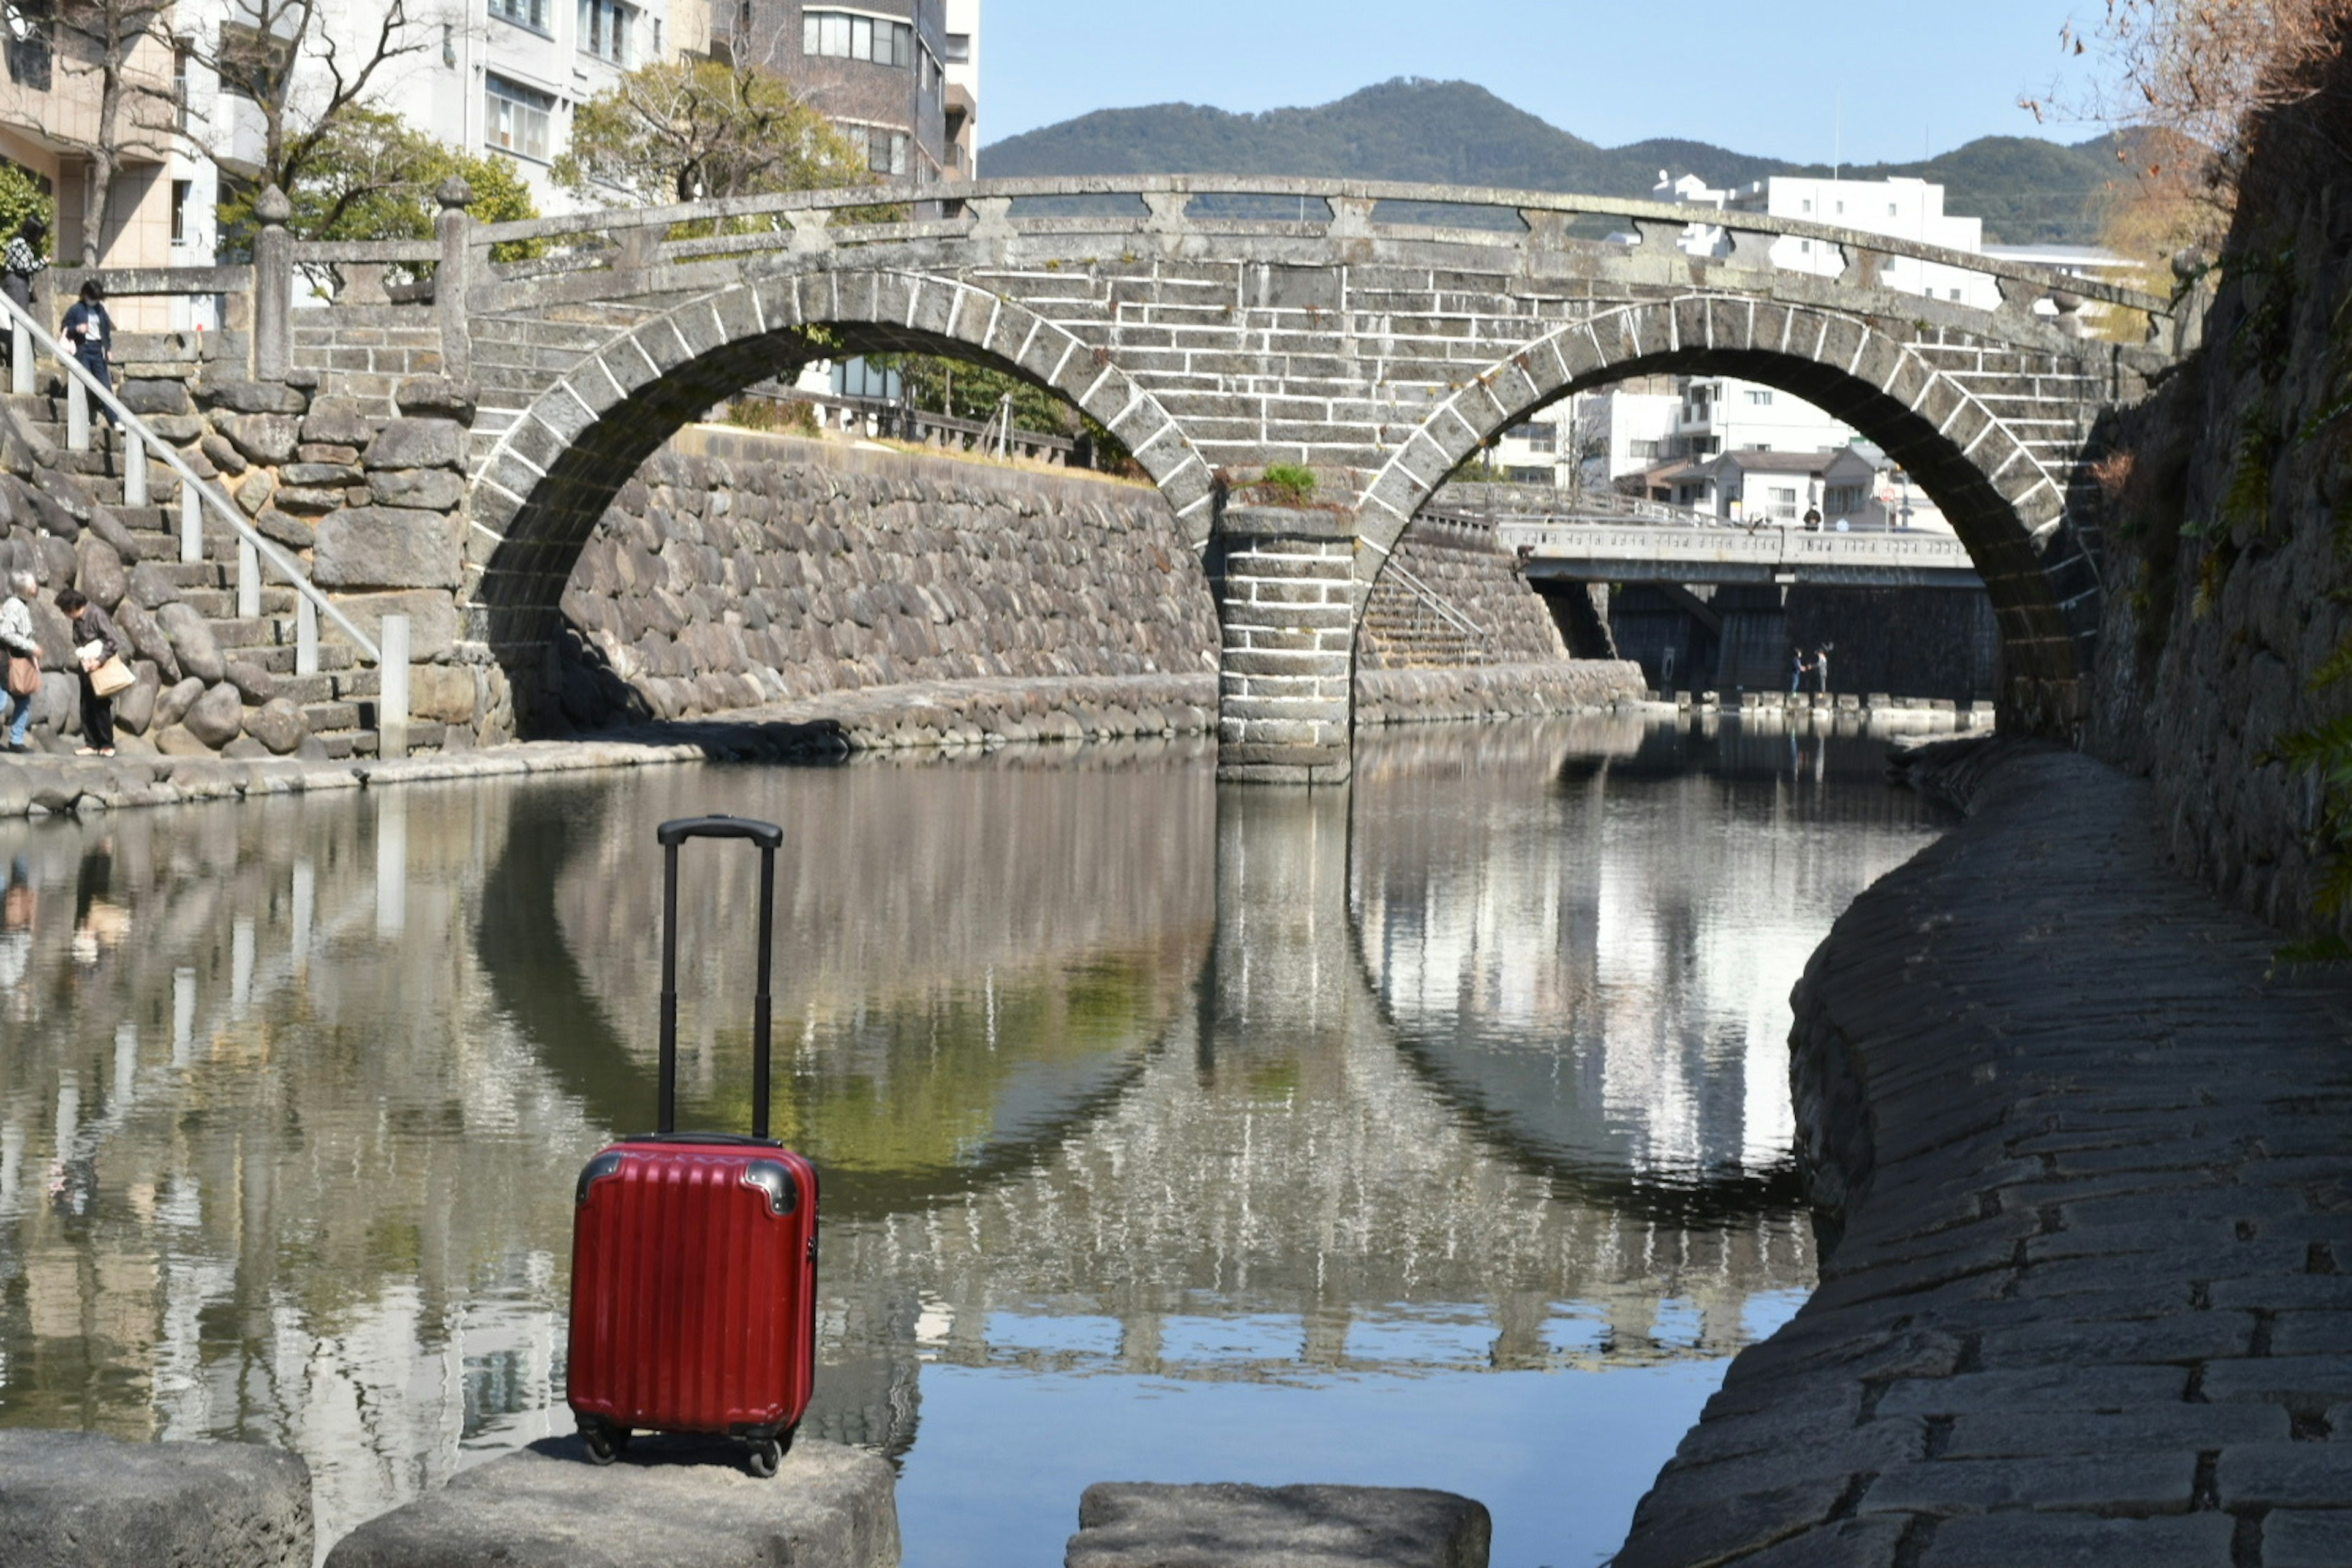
x=768 y=837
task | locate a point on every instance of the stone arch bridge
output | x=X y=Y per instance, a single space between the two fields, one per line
x=1378 y=334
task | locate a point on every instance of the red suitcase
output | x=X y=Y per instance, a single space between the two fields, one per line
x=694 y=1254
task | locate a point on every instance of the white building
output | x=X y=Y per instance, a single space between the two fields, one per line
x=963 y=63
x=1721 y=414
x=485 y=76
x=1864 y=489
x=1903 y=209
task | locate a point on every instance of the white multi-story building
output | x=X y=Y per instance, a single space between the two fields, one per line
x=1720 y=414
x=962 y=61
x=1902 y=209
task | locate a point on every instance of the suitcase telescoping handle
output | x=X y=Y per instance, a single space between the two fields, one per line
x=768 y=837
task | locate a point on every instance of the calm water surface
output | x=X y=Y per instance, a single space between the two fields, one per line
x=1434 y=1132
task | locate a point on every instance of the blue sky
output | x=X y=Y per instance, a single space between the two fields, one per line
x=1767 y=77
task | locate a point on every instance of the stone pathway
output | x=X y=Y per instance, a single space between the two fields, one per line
x=2093 y=1300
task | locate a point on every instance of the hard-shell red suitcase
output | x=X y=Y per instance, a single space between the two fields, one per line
x=694 y=1254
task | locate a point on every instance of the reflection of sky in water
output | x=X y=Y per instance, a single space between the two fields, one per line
x=1558 y=1459
x=292 y=1095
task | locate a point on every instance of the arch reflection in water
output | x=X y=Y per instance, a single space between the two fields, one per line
x=291 y=1096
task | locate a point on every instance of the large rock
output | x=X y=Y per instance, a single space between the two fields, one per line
x=437 y=397
x=156 y=398
x=667 y=1501
x=152 y=586
x=217 y=717
x=134 y=710
x=431 y=620
x=193 y=643
x=436 y=489
x=261 y=438
x=174 y=703
x=279 y=725
x=224 y=455
x=108 y=527
x=253 y=683
x=146 y=634
x=417 y=444
x=175 y=740
x=99 y=572
x=76 y=1500
x=388 y=547
x=338 y=420
x=1136 y=1525
x=442 y=692
x=256 y=396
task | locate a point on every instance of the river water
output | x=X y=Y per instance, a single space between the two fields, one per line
x=1432 y=1132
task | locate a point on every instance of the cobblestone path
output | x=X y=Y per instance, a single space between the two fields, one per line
x=2092 y=1300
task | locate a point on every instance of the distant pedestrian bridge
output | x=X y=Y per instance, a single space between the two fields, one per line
x=1773 y=554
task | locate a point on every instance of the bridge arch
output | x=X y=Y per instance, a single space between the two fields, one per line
x=2004 y=504
x=537 y=493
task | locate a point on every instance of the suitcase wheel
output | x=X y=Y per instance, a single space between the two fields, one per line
x=767 y=1457
x=604 y=1443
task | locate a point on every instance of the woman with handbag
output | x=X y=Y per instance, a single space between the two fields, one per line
x=22 y=655
x=103 y=672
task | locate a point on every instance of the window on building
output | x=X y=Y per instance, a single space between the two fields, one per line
x=183 y=54
x=1760 y=394
x=1956 y=293
x=1783 y=502
x=1644 y=448
x=885 y=150
x=1809 y=206
x=531 y=14
x=846 y=35
x=958 y=48
x=1891 y=210
x=182 y=191
x=604 y=29
x=932 y=74
x=1528 y=476
x=1841 y=208
x=855 y=378
x=1756 y=445
x=1804 y=247
x=518 y=117
x=1842 y=500
x=1540 y=437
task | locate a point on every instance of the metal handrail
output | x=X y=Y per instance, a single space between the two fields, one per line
x=210 y=493
x=1633 y=210
x=1436 y=601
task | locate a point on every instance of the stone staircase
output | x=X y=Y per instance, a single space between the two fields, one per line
x=337 y=702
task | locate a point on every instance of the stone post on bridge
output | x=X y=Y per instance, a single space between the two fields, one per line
x=1284 y=579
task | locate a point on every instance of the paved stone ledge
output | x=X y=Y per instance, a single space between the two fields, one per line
x=667 y=1500
x=2089 y=1176
x=77 y=1500
x=1131 y=1524
x=1493 y=691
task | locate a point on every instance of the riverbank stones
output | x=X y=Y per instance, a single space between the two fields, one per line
x=666 y=1500
x=77 y=1500
x=1128 y=1524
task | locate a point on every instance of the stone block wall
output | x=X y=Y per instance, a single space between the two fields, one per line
x=1461 y=564
x=2230 y=566
x=364 y=351
x=739 y=569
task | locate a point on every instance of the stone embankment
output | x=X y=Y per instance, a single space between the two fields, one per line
x=2082 y=1153
x=738 y=570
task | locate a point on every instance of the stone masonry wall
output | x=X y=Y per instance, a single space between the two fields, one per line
x=2230 y=569
x=739 y=569
x=1460 y=563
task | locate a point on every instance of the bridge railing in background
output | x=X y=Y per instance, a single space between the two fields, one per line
x=1779 y=545
x=1163 y=207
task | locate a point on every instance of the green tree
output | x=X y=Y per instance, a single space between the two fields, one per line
x=374 y=176
x=686 y=130
x=24 y=194
x=963 y=390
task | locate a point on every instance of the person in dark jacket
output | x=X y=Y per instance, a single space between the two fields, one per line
x=19 y=265
x=100 y=642
x=88 y=332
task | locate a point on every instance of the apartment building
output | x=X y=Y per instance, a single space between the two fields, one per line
x=876 y=68
x=159 y=212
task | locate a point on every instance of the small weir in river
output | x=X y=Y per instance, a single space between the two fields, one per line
x=1434 y=1131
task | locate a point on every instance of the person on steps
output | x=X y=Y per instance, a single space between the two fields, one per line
x=88 y=332
x=16 y=641
x=100 y=641
x=19 y=264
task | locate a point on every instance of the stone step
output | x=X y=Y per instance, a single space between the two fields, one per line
x=334 y=658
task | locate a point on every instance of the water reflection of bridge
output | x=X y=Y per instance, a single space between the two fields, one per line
x=259 y=1179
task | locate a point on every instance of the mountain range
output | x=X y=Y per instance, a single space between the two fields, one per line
x=2028 y=191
